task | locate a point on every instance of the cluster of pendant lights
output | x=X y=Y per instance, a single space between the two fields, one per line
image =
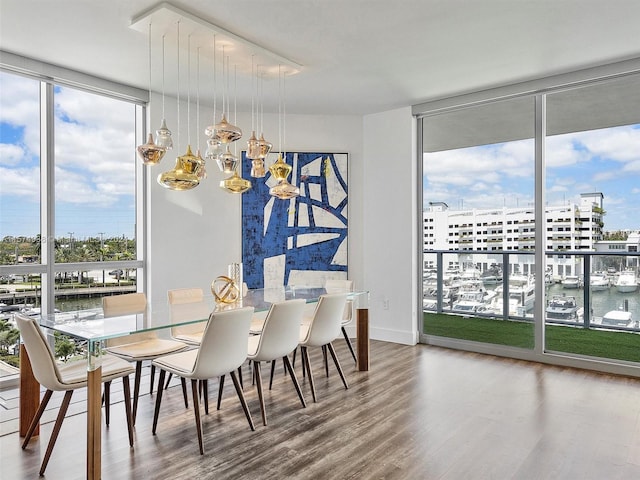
x=189 y=169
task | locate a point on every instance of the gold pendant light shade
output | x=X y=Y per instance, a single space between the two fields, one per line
x=227 y=132
x=235 y=184
x=284 y=190
x=257 y=168
x=265 y=147
x=184 y=176
x=280 y=170
x=253 y=147
x=150 y=153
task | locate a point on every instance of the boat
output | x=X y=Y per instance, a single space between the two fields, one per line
x=618 y=318
x=492 y=275
x=571 y=281
x=521 y=296
x=599 y=281
x=564 y=308
x=626 y=282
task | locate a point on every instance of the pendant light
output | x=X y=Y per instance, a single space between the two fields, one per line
x=201 y=172
x=183 y=176
x=253 y=145
x=235 y=183
x=214 y=145
x=280 y=170
x=150 y=153
x=224 y=130
x=163 y=134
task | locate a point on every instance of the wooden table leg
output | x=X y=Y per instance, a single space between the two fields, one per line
x=362 y=338
x=94 y=418
x=29 y=394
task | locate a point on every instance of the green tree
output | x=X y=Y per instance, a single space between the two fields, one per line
x=64 y=346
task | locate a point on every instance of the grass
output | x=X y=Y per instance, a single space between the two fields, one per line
x=594 y=343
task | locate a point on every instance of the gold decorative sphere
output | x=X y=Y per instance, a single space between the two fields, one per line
x=225 y=290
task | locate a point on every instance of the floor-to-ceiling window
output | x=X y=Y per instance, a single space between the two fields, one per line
x=70 y=203
x=573 y=176
x=478 y=230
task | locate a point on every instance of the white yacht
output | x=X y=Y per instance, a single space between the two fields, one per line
x=599 y=281
x=571 y=281
x=564 y=308
x=521 y=296
x=626 y=282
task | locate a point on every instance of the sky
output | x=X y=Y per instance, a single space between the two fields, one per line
x=493 y=176
x=94 y=162
x=95 y=167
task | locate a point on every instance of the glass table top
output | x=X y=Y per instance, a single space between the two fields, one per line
x=91 y=325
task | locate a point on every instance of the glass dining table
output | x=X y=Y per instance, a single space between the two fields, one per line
x=92 y=327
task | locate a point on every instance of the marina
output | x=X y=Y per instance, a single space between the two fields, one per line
x=610 y=305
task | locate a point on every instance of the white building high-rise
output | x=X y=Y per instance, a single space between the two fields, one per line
x=571 y=227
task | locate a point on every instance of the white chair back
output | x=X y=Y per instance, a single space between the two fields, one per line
x=187 y=304
x=224 y=343
x=281 y=331
x=185 y=295
x=42 y=359
x=337 y=286
x=125 y=304
x=327 y=320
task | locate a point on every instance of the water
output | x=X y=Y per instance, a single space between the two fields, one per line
x=602 y=301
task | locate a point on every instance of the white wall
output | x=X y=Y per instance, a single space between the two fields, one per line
x=195 y=235
x=389 y=215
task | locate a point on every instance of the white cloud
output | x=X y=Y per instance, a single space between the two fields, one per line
x=10 y=154
x=20 y=182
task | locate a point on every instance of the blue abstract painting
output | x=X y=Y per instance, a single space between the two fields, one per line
x=301 y=241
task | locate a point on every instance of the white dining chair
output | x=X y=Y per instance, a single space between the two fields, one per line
x=188 y=304
x=339 y=285
x=279 y=337
x=66 y=378
x=321 y=331
x=222 y=350
x=138 y=347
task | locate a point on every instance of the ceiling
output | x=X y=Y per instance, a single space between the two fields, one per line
x=358 y=56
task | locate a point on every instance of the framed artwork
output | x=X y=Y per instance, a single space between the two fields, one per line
x=301 y=241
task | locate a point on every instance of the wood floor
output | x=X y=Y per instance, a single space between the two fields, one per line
x=420 y=413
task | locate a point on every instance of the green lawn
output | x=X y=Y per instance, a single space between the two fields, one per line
x=595 y=343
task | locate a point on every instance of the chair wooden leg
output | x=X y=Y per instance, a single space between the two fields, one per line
x=337 y=362
x=220 y=387
x=196 y=412
x=258 y=373
x=305 y=359
x=56 y=429
x=205 y=395
x=153 y=377
x=348 y=340
x=36 y=418
x=156 y=411
x=107 y=402
x=136 y=389
x=126 y=388
x=240 y=376
x=243 y=401
x=184 y=392
x=294 y=379
x=324 y=359
x=273 y=369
